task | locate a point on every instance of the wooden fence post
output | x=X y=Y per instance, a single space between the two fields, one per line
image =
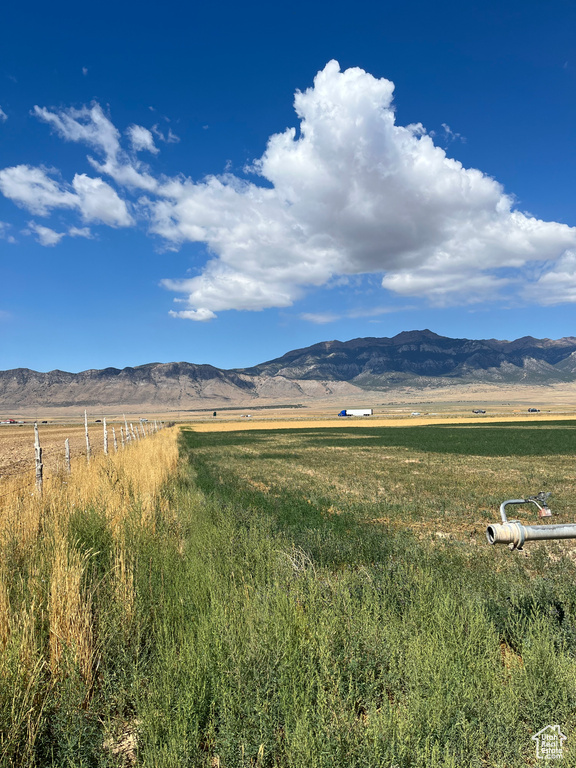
x=115 y=441
x=126 y=429
x=122 y=436
x=38 y=456
x=132 y=431
x=67 y=455
x=105 y=438
x=87 y=437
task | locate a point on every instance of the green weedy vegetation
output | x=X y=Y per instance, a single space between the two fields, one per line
x=308 y=637
x=309 y=598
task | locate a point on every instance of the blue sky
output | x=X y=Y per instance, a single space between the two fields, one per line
x=223 y=183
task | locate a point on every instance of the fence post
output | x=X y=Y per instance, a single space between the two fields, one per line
x=105 y=438
x=67 y=455
x=115 y=441
x=132 y=431
x=122 y=436
x=38 y=456
x=126 y=428
x=87 y=437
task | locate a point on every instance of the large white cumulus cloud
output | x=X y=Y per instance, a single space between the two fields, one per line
x=350 y=193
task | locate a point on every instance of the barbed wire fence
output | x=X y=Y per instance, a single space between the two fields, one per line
x=32 y=472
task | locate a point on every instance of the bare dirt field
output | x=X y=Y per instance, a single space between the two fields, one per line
x=17 y=446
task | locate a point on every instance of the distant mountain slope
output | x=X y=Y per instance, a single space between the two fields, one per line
x=154 y=382
x=339 y=368
x=158 y=386
x=373 y=362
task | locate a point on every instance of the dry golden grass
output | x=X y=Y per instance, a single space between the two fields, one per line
x=4 y=610
x=372 y=421
x=36 y=527
x=114 y=481
x=70 y=611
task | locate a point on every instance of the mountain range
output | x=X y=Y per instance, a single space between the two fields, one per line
x=419 y=359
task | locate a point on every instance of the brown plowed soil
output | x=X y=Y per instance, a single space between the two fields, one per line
x=17 y=446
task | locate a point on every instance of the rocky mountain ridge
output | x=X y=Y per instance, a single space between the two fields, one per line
x=373 y=361
x=330 y=368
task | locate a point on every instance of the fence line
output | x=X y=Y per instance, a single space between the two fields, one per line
x=87 y=437
x=37 y=464
x=16 y=464
x=38 y=460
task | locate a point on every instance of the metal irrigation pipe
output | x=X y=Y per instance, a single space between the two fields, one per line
x=513 y=533
x=540 y=501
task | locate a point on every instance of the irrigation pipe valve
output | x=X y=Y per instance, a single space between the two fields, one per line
x=513 y=533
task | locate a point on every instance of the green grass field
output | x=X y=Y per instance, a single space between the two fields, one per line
x=324 y=598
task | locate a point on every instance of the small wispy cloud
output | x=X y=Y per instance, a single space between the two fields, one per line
x=446 y=136
x=49 y=237
x=5 y=234
x=35 y=189
x=44 y=235
x=167 y=138
x=450 y=135
x=141 y=139
x=3 y=116
x=84 y=71
x=199 y=315
x=80 y=232
x=376 y=311
x=320 y=318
